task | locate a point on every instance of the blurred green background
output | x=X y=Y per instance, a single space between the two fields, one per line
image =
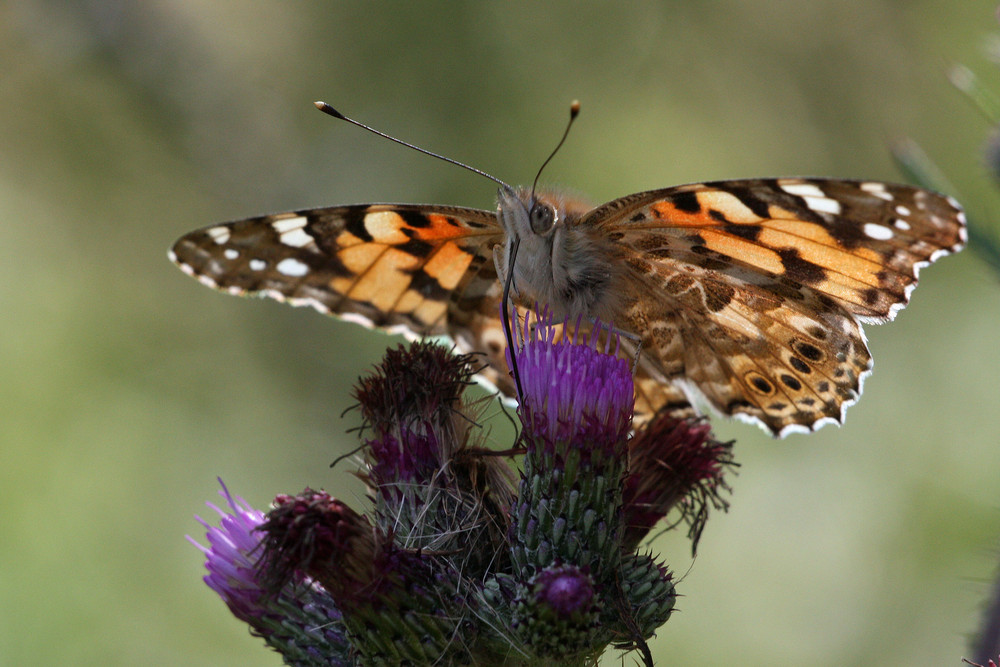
x=128 y=387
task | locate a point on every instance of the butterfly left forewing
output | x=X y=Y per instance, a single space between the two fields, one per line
x=750 y=292
x=393 y=266
x=861 y=243
x=882 y=234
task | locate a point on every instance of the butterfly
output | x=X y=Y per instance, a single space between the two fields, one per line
x=743 y=296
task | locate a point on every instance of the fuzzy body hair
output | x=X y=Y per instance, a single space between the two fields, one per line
x=573 y=269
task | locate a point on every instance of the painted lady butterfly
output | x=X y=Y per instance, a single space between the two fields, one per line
x=746 y=295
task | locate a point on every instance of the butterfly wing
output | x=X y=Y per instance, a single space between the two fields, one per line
x=418 y=270
x=747 y=293
x=750 y=293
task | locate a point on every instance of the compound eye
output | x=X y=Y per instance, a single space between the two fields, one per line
x=543 y=217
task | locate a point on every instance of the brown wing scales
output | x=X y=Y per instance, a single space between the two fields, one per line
x=750 y=292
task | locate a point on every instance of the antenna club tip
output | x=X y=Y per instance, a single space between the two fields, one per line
x=326 y=108
x=574 y=108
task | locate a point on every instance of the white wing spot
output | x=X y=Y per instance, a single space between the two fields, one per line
x=901 y=224
x=877 y=232
x=257 y=265
x=219 y=234
x=935 y=256
x=292 y=267
x=823 y=205
x=877 y=190
x=902 y=210
x=297 y=238
x=289 y=224
x=803 y=190
x=231 y=254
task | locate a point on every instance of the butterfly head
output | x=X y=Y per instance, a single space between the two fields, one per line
x=530 y=227
x=553 y=259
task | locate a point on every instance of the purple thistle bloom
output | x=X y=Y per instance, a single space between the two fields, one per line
x=559 y=614
x=425 y=461
x=300 y=622
x=399 y=606
x=231 y=556
x=576 y=409
x=573 y=390
x=316 y=534
x=565 y=590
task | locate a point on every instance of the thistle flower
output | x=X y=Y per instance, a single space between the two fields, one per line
x=315 y=534
x=576 y=408
x=457 y=564
x=409 y=582
x=436 y=486
x=396 y=603
x=558 y=613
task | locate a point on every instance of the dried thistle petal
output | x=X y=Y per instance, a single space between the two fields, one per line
x=317 y=535
x=675 y=465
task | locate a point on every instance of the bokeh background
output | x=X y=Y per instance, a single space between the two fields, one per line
x=126 y=387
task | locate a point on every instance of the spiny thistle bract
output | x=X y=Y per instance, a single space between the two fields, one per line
x=462 y=562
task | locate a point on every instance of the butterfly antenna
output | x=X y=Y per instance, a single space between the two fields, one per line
x=574 y=111
x=329 y=110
